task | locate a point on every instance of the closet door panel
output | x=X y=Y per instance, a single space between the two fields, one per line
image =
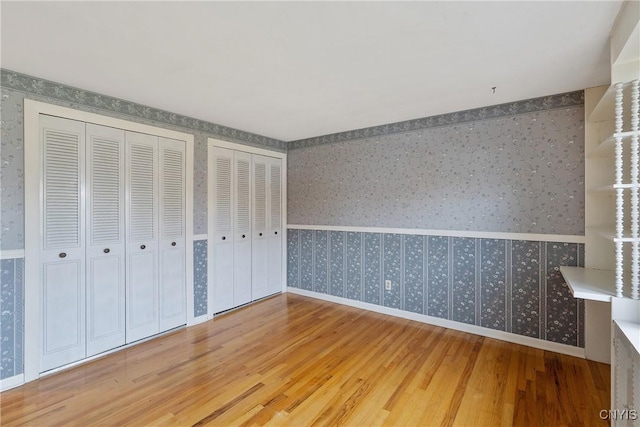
x=242 y=229
x=173 y=310
x=259 y=262
x=221 y=181
x=105 y=239
x=274 y=251
x=62 y=246
x=142 y=236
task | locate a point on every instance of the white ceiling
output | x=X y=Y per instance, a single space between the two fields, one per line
x=295 y=70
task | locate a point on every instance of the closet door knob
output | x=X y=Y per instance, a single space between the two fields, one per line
x=106 y=251
x=276 y=232
x=62 y=255
x=143 y=247
x=224 y=238
x=261 y=234
x=243 y=236
x=173 y=243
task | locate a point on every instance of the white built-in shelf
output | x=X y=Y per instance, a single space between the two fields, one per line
x=604 y=107
x=590 y=283
x=631 y=330
x=607 y=147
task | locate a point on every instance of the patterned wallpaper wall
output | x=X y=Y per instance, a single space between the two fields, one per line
x=11 y=317
x=16 y=87
x=506 y=285
x=519 y=173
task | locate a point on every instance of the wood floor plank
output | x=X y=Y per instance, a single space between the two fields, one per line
x=295 y=361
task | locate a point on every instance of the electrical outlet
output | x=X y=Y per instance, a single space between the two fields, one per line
x=387 y=285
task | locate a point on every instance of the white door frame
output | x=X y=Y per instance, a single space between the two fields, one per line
x=33 y=161
x=211 y=143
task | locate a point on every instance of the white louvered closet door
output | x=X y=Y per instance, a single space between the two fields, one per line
x=142 y=235
x=242 y=229
x=62 y=246
x=105 y=260
x=274 y=245
x=221 y=181
x=172 y=285
x=259 y=247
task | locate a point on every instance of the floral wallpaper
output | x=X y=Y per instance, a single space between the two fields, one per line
x=507 y=285
x=200 y=274
x=11 y=317
x=520 y=173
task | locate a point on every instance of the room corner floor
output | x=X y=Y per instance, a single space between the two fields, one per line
x=296 y=361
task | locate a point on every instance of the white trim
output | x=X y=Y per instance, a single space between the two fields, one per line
x=199 y=237
x=245 y=148
x=12 y=254
x=450 y=324
x=201 y=319
x=564 y=238
x=32 y=111
x=11 y=382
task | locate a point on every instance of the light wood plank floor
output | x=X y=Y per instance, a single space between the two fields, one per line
x=296 y=361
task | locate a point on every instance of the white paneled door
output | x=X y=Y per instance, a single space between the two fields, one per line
x=275 y=224
x=172 y=286
x=62 y=243
x=259 y=262
x=242 y=229
x=142 y=235
x=105 y=246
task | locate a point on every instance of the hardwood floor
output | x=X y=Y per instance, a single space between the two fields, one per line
x=296 y=361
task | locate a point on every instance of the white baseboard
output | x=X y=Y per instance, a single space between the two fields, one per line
x=450 y=324
x=11 y=382
x=199 y=319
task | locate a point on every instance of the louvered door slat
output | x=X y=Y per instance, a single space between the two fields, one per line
x=260 y=194
x=243 y=195
x=276 y=196
x=142 y=190
x=62 y=175
x=223 y=220
x=173 y=193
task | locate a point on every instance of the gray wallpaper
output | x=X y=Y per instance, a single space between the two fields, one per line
x=11 y=317
x=15 y=87
x=506 y=285
x=521 y=173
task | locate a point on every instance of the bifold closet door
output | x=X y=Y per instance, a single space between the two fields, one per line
x=221 y=239
x=172 y=243
x=105 y=246
x=274 y=233
x=242 y=229
x=259 y=261
x=62 y=293
x=142 y=235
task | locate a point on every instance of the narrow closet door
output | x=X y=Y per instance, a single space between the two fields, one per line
x=142 y=235
x=62 y=292
x=242 y=229
x=221 y=238
x=259 y=248
x=173 y=304
x=274 y=251
x=105 y=239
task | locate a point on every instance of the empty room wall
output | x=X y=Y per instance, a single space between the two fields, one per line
x=15 y=88
x=439 y=193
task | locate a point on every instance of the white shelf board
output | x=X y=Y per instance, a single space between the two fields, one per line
x=607 y=147
x=605 y=107
x=590 y=283
x=631 y=330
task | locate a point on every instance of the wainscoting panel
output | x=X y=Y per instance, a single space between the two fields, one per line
x=506 y=285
